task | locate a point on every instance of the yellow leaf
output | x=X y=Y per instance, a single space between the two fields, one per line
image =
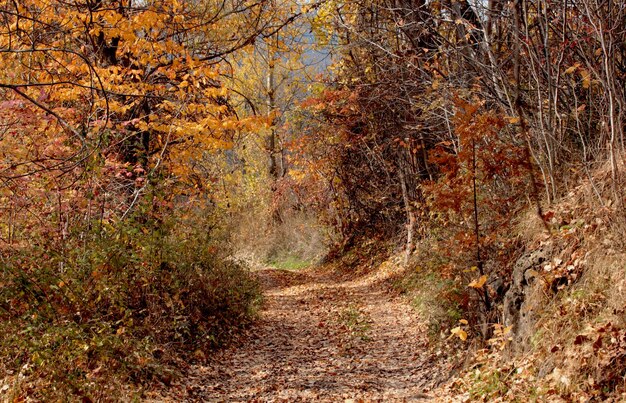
x=586 y=77
x=463 y=321
x=572 y=68
x=479 y=283
x=460 y=333
x=513 y=120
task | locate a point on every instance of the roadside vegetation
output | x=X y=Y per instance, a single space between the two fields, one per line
x=121 y=306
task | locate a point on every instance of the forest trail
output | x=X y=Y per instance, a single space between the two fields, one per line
x=322 y=337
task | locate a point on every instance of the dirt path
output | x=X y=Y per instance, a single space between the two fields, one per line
x=322 y=338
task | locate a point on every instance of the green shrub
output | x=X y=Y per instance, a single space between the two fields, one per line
x=116 y=306
x=435 y=298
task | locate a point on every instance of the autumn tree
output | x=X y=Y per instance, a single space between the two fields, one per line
x=272 y=76
x=267 y=80
x=539 y=84
x=112 y=245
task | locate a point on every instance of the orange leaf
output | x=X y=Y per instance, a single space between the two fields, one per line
x=479 y=283
x=460 y=333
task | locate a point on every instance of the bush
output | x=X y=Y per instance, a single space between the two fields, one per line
x=116 y=306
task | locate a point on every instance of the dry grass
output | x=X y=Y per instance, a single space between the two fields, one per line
x=297 y=240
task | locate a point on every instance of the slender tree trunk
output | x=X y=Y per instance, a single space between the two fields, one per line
x=479 y=259
x=410 y=214
x=271 y=107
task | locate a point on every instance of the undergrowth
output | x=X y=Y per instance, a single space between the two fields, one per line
x=436 y=299
x=576 y=350
x=440 y=299
x=115 y=306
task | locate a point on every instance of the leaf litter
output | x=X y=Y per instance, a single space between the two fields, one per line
x=321 y=337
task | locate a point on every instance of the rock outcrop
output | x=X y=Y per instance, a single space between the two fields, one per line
x=525 y=297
